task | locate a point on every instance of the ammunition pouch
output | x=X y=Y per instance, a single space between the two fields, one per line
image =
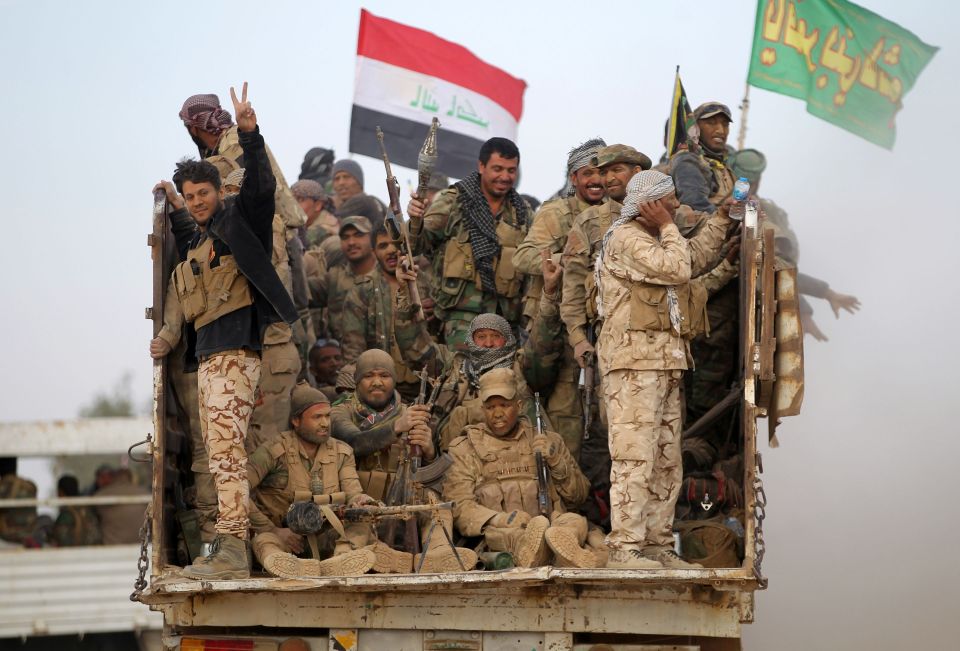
x=650 y=310
x=207 y=293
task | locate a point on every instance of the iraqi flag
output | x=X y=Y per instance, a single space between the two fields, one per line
x=405 y=77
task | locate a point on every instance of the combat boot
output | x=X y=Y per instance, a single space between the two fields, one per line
x=227 y=560
x=529 y=550
x=631 y=559
x=567 y=549
x=669 y=559
x=441 y=559
x=389 y=560
x=288 y=566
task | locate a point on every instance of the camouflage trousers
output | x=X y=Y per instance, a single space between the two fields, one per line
x=565 y=406
x=271 y=413
x=226 y=383
x=643 y=410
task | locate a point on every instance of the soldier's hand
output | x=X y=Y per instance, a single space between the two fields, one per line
x=811 y=328
x=511 y=519
x=655 y=213
x=242 y=110
x=552 y=272
x=364 y=500
x=724 y=207
x=411 y=417
x=422 y=436
x=159 y=348
x=581 y=351
x=292 y=540
x=417 y=207
x=173 y=197
x=406 y=274
x=842 y=301
x=733 y=252
x=427 y=304
x=549 y=449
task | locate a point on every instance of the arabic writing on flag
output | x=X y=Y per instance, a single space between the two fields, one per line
x=851 y=66
x=406 y=76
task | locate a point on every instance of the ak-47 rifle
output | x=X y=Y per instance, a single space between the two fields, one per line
x=308 y=517
x=544 y=503
x=397 y=229
x=587 y=380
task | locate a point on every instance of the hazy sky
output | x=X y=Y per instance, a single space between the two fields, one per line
x=862 y=522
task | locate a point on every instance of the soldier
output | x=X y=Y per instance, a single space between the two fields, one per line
x=490 y=344
x=17 y=524
x=218 y=139
x=700 y=173
x=75 y=525
x=368 y=318
x=650 y=311
x=321 y=223
x=377 y=425
x=578 y=306
x=302 y=464
x=471 y=231
x=549 y=233
x=326 y=359
x=120 y=523
x=348 y=195
x=230 y=292
x=750 y=163
x=332 y=289
x=493 y=483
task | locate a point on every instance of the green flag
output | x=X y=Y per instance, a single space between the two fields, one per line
x=851 y=66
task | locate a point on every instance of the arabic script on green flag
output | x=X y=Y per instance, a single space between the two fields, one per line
x=851 y=66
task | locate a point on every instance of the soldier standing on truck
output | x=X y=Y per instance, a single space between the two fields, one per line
x=378 y=426
x=303 y=464
x=230 y=292
x=471 y=231
x=549 y=233
x=493 y=483
x=650 y=311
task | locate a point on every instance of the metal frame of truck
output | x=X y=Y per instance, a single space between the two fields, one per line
x=540 y=608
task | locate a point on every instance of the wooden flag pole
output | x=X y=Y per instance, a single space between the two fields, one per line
x=744 y=109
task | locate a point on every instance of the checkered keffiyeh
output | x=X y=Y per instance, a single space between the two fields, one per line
x=579 y=157
x=481 y=359
x=204 y=112
x=483 y=231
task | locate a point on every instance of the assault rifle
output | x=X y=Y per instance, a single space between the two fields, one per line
x=587 y=380
x=397 y=230
x=544 y=503
x=308 y=517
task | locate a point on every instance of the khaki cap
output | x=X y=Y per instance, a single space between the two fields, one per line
x=709 y=109
x=305 y=396
x=621 y=154
x=359 y=222
x=498 y=382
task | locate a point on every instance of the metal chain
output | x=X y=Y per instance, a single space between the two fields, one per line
x=143 y=563
x=759 y=515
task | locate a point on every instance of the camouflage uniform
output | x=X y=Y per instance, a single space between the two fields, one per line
x=17 y=524
x=325 y=226
x=444 y=235
x=368 y=322
x=330 y=290
x=458 y=403
x=280 y=473
x=642 y=358
x=549 y=232
x=76 y=526
x=493 y=475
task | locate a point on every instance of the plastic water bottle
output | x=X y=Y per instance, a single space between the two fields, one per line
x=741 y=190
x=733 y=524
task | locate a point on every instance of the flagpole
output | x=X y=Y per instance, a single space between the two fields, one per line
x=744 y=109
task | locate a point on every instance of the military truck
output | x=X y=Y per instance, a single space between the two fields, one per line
x=539 y=608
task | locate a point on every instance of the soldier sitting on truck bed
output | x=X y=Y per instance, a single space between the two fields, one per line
x=306 y=463
x=490 y=344
x=494 y=486
x=378 y=426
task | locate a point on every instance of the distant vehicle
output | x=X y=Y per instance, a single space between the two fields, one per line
x=54 y=597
